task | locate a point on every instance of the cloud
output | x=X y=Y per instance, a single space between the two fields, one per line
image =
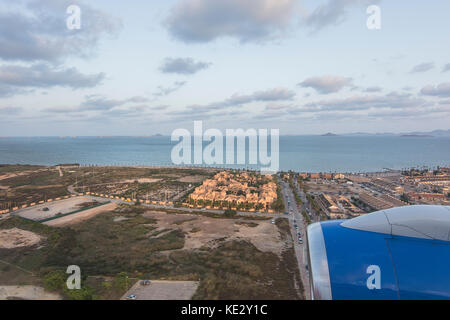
x=196 y=21
x=326 y=84
x=10 y=110
x=423 y=67
x=333 y=12
x=165 y=91
x=35 y=30
x=392 y=100
x=45 y=76
x=373 y=89
x=446 y=68
x=277 y=94
x=97 y=103
x=184 y=66
x=441 y=90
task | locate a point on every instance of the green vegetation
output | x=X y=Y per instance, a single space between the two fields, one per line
x=112 y=255
x=404 y=198
x=8 y=168
x=229 y=213
x=247 y=224
x=278 y=205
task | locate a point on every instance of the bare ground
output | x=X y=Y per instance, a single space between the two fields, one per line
x=192 y=179
x=15 y=238
x=26 y=293
x=81 y=216
x=207 y=231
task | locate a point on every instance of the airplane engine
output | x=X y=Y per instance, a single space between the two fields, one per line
x=400 y=253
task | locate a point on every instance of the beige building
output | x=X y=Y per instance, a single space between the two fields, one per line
x=229 y=190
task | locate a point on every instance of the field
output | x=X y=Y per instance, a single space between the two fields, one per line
x=54 y=209
x=230 y=258
x=27 y=184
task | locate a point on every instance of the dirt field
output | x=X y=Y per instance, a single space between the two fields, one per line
x=192 y=179
x=26 y=293
x=15 y=238
x=141 y=180
x=201 y=230
x=163 y=290
x=37 y=213
x=80 y=216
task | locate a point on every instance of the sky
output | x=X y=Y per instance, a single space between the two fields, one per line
x=146 y=67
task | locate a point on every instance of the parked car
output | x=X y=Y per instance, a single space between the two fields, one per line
x=145 y=282
x=273 y=221
x=131 y=297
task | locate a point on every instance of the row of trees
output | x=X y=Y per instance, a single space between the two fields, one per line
x=227 y=204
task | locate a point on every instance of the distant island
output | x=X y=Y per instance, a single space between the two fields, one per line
x=417 y=136
x=329 y=134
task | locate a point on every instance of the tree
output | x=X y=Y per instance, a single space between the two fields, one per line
x=230 y=213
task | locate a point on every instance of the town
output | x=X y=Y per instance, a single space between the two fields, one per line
x=177 y=225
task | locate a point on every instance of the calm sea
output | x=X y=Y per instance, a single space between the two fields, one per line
x=299 y=153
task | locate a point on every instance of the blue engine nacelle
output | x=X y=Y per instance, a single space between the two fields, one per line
x=401 y=253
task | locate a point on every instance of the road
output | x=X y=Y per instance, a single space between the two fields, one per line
x=306 y=206
x=251 y=214
x=300 y=249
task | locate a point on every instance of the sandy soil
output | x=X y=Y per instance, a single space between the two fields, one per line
x=17 y=174
x=141 y=180
x=192 y=179
x=26 y=293
x=14 y=238
x=81 y=216
x=202 y=230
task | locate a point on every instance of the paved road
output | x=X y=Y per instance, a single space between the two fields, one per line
x=306 y=206
x=300 y=249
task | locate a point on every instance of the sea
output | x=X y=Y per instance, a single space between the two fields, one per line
x=298 y=153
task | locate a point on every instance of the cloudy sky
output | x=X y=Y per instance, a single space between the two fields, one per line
x=146 y=67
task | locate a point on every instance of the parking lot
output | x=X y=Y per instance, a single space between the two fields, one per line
x=162 y=290
x=51 y=209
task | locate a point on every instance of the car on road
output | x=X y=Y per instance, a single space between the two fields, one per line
x=131 y=297
x=286 y=213
x=300 y=241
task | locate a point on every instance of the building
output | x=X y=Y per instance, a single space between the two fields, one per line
x=387 y=186
x=381 y=202
x=327 y=176
x=330 y=207
x=348 y=207
x=426 y=197
x=303 y=175
x=314 y=176
x=238 y=191
x=338 y=176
